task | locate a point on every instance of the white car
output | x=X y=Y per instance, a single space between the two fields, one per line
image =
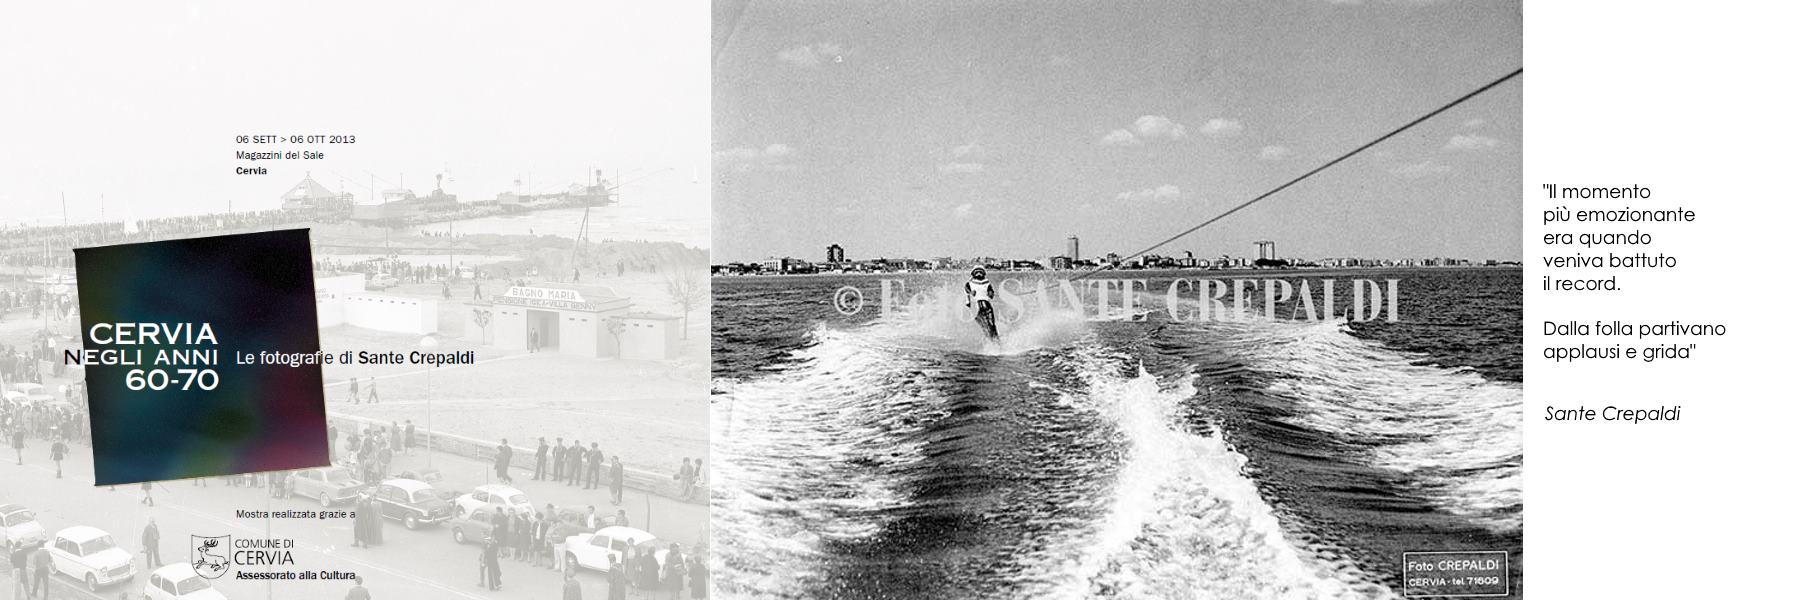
x=179 y=582
x=34 y=393
x=602 y=549
x=18 y=524
x=89 y=555
x=503 y=496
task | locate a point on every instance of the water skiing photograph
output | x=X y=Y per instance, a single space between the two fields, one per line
x=1094 y=300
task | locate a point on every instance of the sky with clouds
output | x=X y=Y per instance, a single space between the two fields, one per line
x=941 y=128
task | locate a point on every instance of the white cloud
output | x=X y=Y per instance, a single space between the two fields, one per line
x=1470 y=141
x=1152 y=127
x=1425 y=168
x=812 y=55
x=1161 y=192
x=967 y=158
x=773 y=157
x=737 y=155
x=1119 y=137
x=1274 y=153
x=963 y=210
x=1221 y=127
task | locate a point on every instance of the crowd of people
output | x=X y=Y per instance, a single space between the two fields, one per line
x=37 y=299
x=372 y=448
x=402 y=271
x=28 y=422
x=532 y=538
x=24 y=246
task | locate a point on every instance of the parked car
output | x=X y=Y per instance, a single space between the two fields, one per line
x=33 y=392
x=474 y=525
x=179 y=582
x=382 y=282
x=601 y=549
x=331 y=485
x=89 y=555
x=412 y=502
x=19 y=524
x=493 y=494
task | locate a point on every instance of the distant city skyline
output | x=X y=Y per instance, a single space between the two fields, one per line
x=1000 y=128
x=838 y=253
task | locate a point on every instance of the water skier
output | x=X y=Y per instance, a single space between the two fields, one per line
x=980 y=294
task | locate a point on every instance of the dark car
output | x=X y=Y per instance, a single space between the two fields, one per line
x=411 y=502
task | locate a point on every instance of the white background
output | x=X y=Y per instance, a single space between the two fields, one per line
x=1695 y=100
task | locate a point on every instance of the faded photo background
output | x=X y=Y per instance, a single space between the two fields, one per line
x=500 y=155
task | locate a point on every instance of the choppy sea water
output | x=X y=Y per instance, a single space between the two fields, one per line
x=872 y=457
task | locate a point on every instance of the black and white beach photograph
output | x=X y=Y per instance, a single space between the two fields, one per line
x=474 y=194
x=1116 y=300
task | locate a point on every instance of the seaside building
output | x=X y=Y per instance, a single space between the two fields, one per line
x=1265 y=250
x=1074 y=252
x=309 y=195
x=834 y=254
x=597 y=324
x=343 y=299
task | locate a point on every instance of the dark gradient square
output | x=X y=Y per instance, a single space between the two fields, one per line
x=256 y=290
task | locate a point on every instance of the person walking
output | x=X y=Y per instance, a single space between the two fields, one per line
x=540 y=535
x=57 y=451
x=373 y=397
x=18 y=556
x=355 y=397
x=18 y=443
x=556 y=460
x=618 y=481
x=359 y=524
x=375 y=522
x=490 y=559
x=39 y=563
x=649 y=571
x=574 y=457
x=502 y=459
x=674 y=575
x=152 y=546
x=616 y=583
x=543 y=452
x=502 y=529
x=411 y=436
x=358 y=592
x=148 y=499
x=594 y=465
x=697 y=577
x=571 y=589
x=686 y=477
